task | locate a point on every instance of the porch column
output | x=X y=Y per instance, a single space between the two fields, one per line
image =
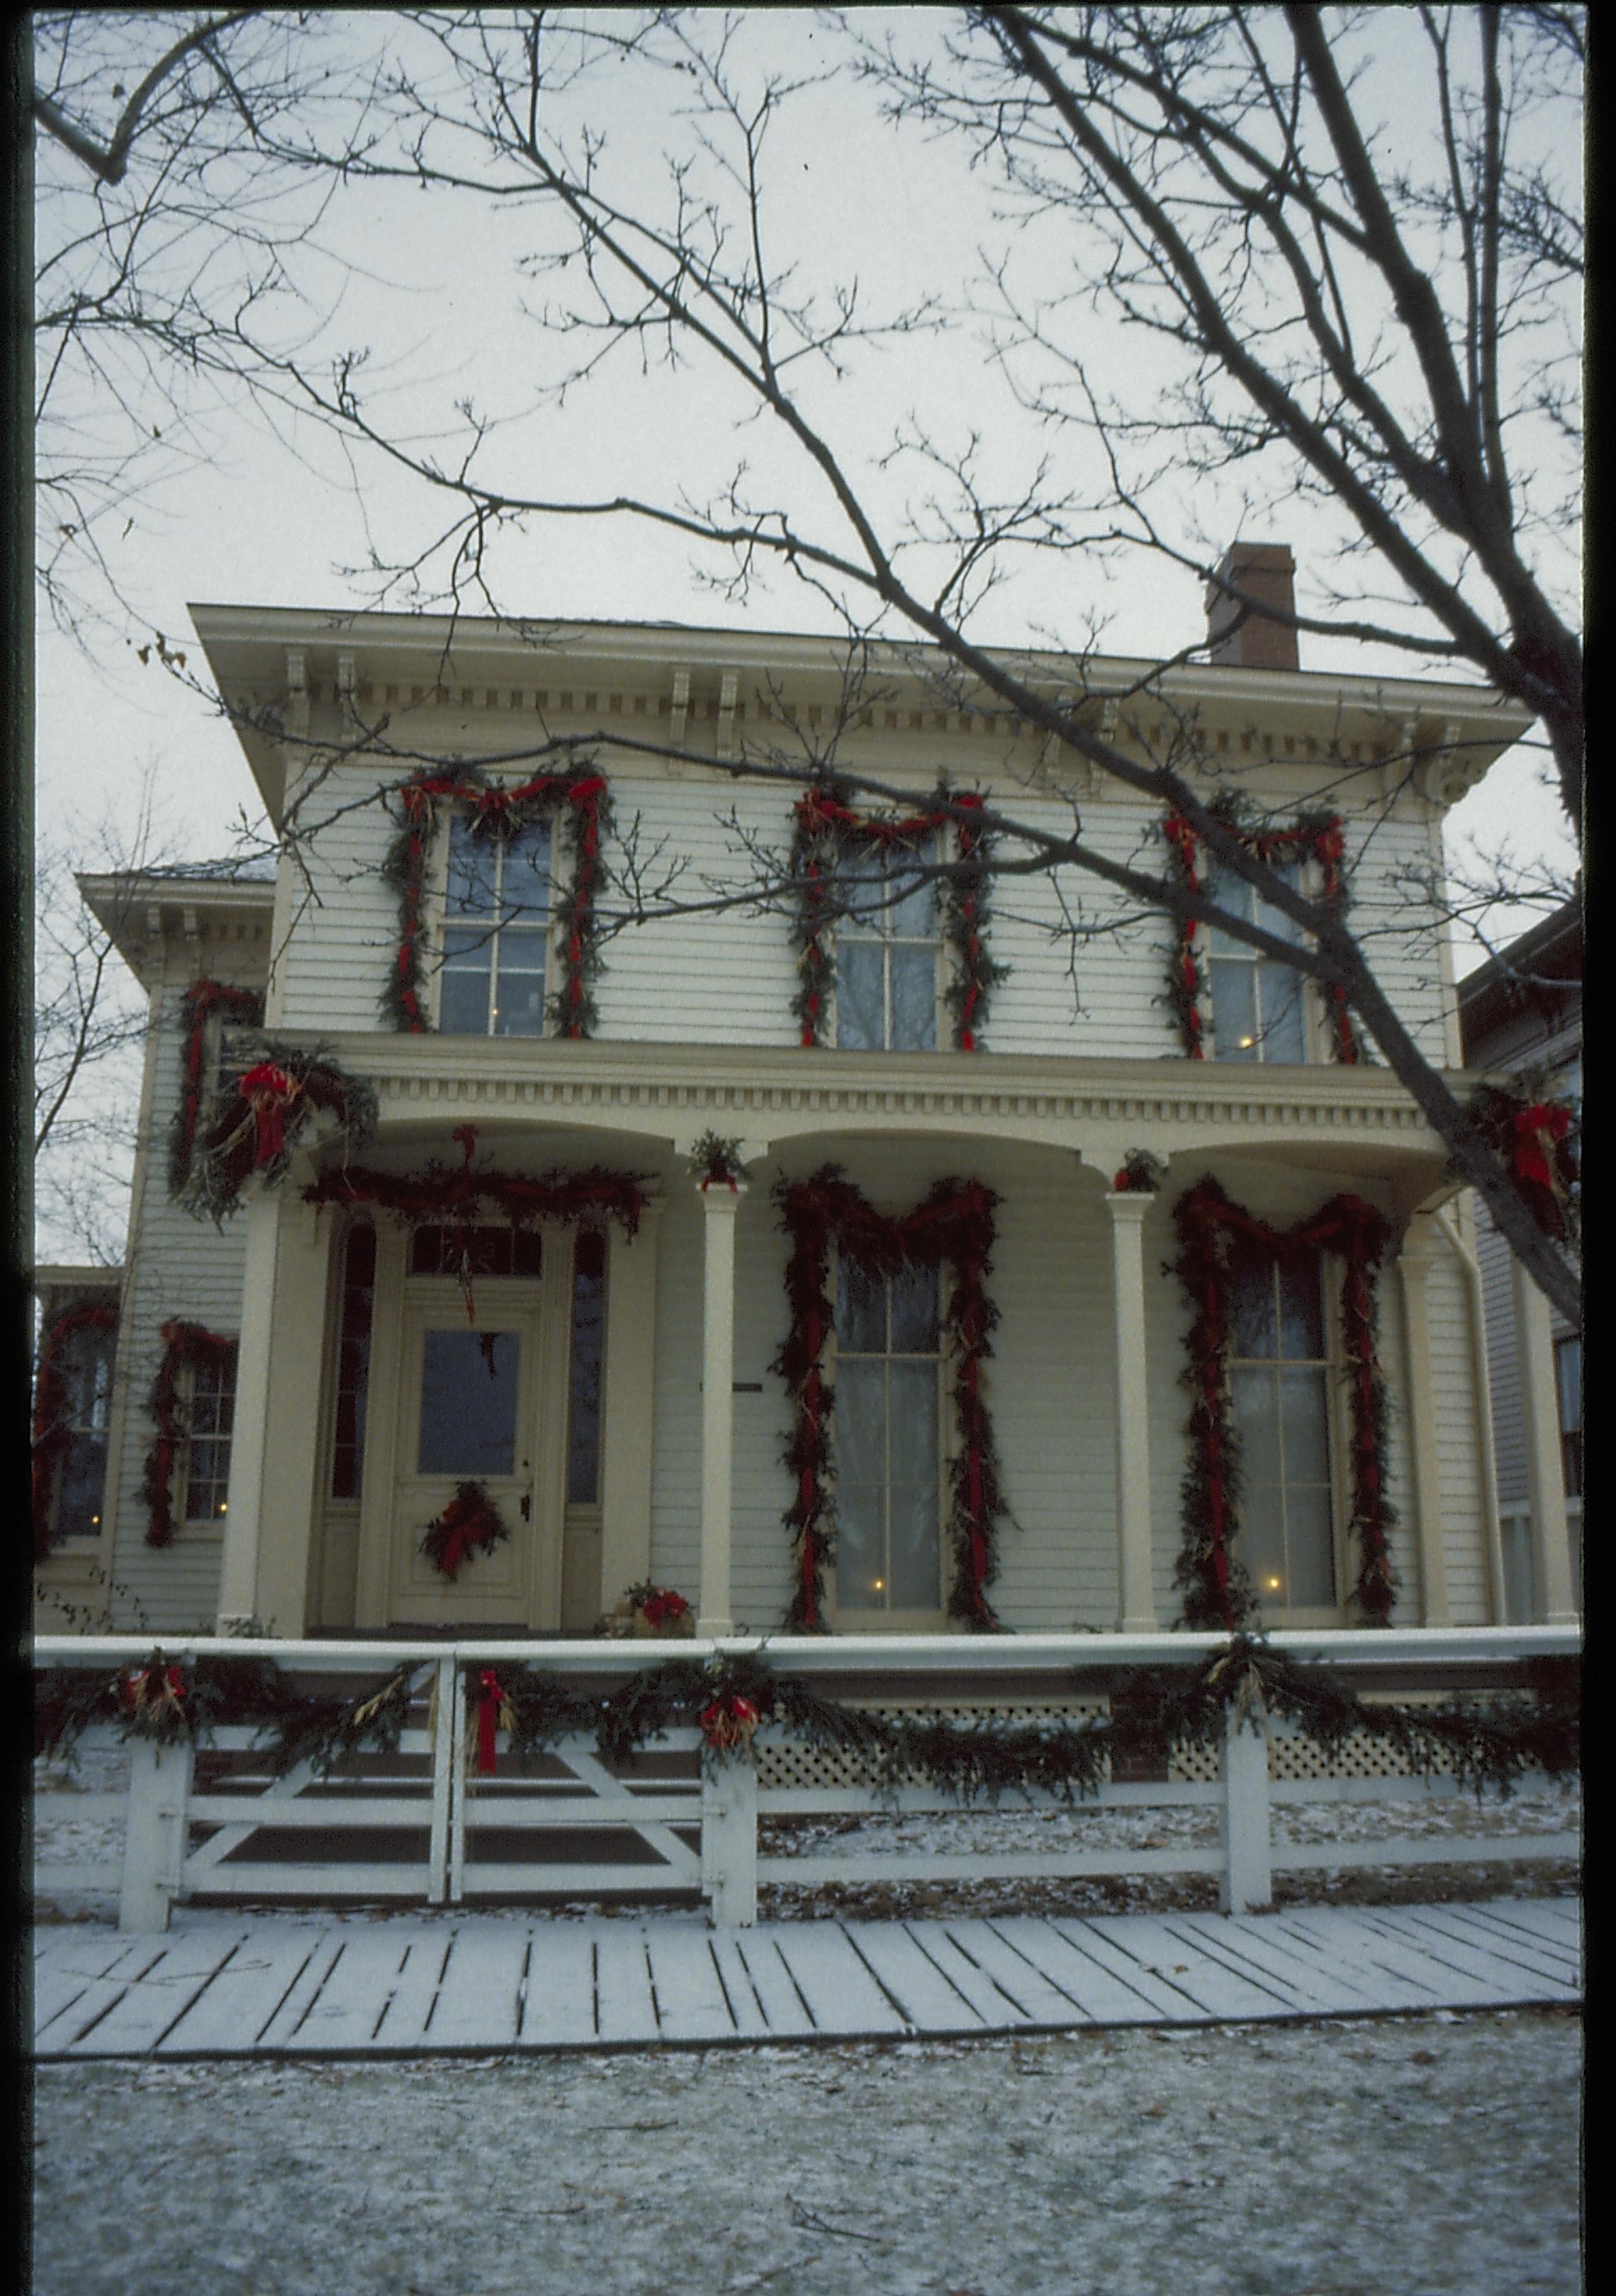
x=720 y=1202
x=1136 y=1600
x=631 y=1299
x=1414 y=1267
x=1540 y=1410
x=275 y=1453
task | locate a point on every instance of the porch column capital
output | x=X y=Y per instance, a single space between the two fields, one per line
x=1136 y=1600
x=720 y=1204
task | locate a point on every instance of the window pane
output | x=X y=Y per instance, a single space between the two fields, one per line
x=1301 y=1311
x=1305 y=1408
x=79 y=1493
x=1283 y=1036
x=1234 y=895
x=1311 y=1545
x=860 y=891
x=860 y=1424
x=913 y=1423
x=860 y=1543
x=1275 y=920
x=463 y=1005
x=860 y=1018
x=525 y=890
x=915 y=1311
x=1262 y=1543
x=861 y=1310
x=1235 y=1008
x=915 y=1574
x=1253 y=1392
x=520 y=1008
x=914 y=997
x=468 y=1402
x=1253 y=1331
x=913 y=915
x=470 y=889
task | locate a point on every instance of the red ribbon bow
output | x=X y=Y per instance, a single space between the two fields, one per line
x=490 y=1708
x=1538 y=1130
x=729 y=1722
x=269 y=1092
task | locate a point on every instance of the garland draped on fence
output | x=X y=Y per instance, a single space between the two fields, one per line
x=201 y=1001
x=1216 y=1592
x=185 y=1346
x=1317 y=837
x=954 y=1225
x=51 y=1435
x=499 y=810
x=826 y=829
x=1484 y=1741
x=277 y=1100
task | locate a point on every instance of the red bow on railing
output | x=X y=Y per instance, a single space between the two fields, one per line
x=729 y=1722
x=269 y=1092
x=492 y=1715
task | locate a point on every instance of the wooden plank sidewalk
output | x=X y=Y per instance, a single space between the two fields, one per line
x=273 y=1985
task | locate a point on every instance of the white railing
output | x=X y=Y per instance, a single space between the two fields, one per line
x=664 y=1822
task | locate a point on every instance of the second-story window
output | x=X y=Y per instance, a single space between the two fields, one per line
x=1259 y=1005
x=1279 y=1389
x=887 y=951
x=496 y=931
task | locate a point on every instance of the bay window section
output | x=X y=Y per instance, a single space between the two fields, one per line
x=888 y=1429
x=1279 y=1383
x=887 y=951
x=1259 y=1010
x=496 y=931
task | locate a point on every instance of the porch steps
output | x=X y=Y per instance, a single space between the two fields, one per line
x=280 y=1986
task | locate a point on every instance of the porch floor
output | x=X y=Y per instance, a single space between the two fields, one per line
x=285 y=1985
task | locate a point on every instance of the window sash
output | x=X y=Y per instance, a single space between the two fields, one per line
x=1260 y=1010
x=888 y=989
x=497 y=911
x=210 y=1421
x=888 y=1439
x=1281 y=1391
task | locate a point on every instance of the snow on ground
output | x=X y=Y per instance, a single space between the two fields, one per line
x=1434 y=2156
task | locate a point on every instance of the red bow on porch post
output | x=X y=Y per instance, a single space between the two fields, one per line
x=493 y=1713
x=269 y=1092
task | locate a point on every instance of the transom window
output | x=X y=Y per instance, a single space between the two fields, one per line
x=493 y=1251
x=496 y=931
x=886 y=951
x=1279 y=1379
x=1259 y=1010
x=888 y=1548
x=212 y=1418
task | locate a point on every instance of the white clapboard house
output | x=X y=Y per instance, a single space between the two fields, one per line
x=784 y=1253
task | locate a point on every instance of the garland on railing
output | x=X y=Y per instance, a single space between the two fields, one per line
x=187 y=1347
x=471 y=1524
x=1217 y=1591
x=500 y=810
x=272 y=1103
x=168 y=1700
x=954 y=1225
x=201 y=1001
x=1539 y=1138
x=50 y=1433
x=825 y=829
x=1317 y=836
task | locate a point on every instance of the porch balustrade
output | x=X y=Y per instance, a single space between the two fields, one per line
x=207 y=1823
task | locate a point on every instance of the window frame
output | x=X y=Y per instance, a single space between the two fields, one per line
x=186 y=1523
x=499 y=923
x=863 y=1618
x=873 y=928
x=1337 y=1439
x=1305 y=875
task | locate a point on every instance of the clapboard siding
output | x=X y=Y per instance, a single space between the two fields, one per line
x=728 y=977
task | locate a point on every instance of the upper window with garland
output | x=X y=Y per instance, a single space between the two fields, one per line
x=497 y=908
x=892 y=924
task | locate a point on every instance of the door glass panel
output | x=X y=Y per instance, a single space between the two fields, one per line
x=468 y=1402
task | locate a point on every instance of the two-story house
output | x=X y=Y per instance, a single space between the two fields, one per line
x=590 y=1309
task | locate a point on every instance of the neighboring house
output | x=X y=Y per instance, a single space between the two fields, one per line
x=534 y=1303
x=1521 y=1016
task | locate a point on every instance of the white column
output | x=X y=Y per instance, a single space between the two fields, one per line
x=239 y=1565
x=720 y=1202
x=294 y=1455
x=1136 y=1600
x=1246 y=1884
x=1540 y=1409
x=631 y=1307
x=1414 y=1267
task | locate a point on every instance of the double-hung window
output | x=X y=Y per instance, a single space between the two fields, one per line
x=496 y=931
x=1259 y=1005
x=887 y=952
x=86 y=1390
x=210 y=1421
x=1279 y=1382
x=888 y=1427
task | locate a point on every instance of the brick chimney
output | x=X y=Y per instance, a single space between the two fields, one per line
x=1266 y=573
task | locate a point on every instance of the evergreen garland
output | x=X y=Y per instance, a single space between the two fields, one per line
x=952 y=1227
x=444 y=1193
x=243 y=1007
x=50 y=1433
x=275 y=1102
x=500 y=810
x=1539 y=1139
x=1319 y=837
x=168 y=1700
x=827 y=828
x=1217 y=1591
x=185 y=1346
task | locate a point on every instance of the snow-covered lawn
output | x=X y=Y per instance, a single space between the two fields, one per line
x=1423 y=2155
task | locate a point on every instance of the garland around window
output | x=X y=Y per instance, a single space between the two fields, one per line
x=1217 y=1591
x=499 y=810
x=51 y=1435
x=201 y=1001
x=1318 y=837
x=954 y=1225
x=825 y=829
x=185 y=1346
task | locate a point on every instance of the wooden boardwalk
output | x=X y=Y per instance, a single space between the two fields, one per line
x=275 y=1986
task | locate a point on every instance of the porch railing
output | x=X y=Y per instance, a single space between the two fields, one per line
x=213 y=1823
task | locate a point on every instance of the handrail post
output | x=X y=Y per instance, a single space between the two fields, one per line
x=1246 y=1884
x=447 y=1814
x=729 y=1840
x=157 y=1831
